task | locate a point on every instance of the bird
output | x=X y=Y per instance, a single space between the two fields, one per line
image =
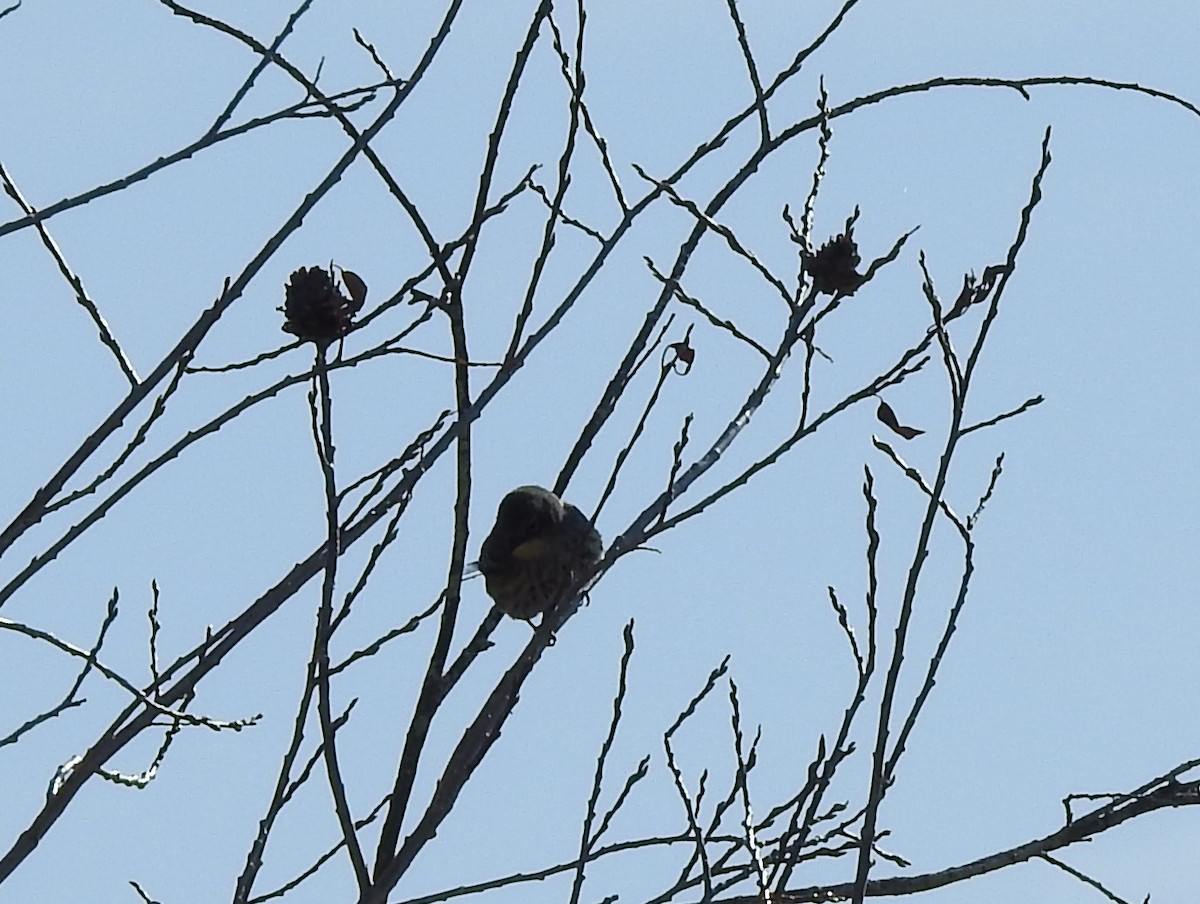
x=539 y=550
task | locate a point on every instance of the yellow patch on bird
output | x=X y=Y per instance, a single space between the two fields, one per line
x=532 y=549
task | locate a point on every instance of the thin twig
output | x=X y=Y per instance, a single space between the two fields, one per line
x=240 y=94
x=1082 y=877
x=1021 y=409
x=587 y=840
x=107 y=339
x=321 y=406
x=708 y=315
x=755 y=82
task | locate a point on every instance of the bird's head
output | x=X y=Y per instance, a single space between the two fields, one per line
x=526 y=522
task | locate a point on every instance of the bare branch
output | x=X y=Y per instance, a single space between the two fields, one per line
x=81 y=296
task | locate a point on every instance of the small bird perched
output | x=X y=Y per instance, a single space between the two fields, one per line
x=536 y=553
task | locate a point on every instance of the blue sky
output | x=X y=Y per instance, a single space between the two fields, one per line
x=1073 y=669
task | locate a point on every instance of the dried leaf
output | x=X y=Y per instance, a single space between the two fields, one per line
x=888 y=418
x=356 y=287
x=684 y=352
